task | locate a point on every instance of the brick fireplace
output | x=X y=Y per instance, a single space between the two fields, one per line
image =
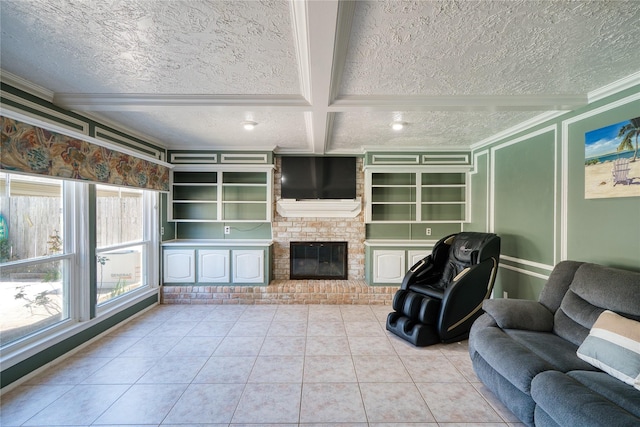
x=318 y=229
x=318 y=260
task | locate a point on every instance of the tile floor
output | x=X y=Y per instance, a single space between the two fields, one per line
x=265 y=365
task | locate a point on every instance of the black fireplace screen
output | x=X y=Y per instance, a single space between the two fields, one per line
x=318 y=260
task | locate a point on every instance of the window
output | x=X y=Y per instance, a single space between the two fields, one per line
x=34 y=255
x=121 y=244
x=46 y=283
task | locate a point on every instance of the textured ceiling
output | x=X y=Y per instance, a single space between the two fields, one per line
x=319 y=76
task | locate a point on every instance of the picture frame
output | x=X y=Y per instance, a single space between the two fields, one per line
x=612 y=161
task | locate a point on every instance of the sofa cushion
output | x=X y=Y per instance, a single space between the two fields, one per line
x=568 y=402
x=559 y=281
x=595 y=288
x=613 y=345
x=519 y=314
x=609 y=387
x=518 y=402
x=557 y=352
x=514 y=362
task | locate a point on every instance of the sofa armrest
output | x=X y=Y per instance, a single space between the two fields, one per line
x=519 y=314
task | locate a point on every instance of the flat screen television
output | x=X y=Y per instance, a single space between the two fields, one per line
x=318 y=177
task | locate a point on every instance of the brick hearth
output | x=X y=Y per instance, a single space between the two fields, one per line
x=283 y=292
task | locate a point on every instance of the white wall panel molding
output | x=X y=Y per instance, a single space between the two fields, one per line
x=527 y=272
x=527 y=262
x=104 y=121
x=492 y=178
x=80 y=125
x=109 y=136
x=474 y=171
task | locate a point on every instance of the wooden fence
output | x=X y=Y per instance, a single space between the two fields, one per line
x=34 y=223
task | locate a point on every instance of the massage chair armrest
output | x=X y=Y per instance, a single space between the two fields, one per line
x=422 y=268
x=463 y=298
x=519 y=314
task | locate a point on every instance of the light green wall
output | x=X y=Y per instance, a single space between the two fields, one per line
x=536 y=200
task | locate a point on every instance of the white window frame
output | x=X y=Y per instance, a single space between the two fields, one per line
x=40 y=340
x=76 y=223
x=150 y=241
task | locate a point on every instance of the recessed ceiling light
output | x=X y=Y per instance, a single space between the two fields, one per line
x=398 y=125
x=249 y=125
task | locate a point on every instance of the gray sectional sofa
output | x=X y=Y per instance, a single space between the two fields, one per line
x=548 y=363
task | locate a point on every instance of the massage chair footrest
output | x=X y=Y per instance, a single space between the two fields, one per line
x=417 y=307
x=418 y=334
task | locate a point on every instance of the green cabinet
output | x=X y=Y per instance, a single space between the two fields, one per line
x=201 y=193
x=417 y=195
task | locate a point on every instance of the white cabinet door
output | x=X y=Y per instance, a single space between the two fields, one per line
x=417 y=255
x=179 y=265
x=388 y=266
x=248 y=266
x=213 y=266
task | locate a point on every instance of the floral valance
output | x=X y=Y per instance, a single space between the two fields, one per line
x=32 y=149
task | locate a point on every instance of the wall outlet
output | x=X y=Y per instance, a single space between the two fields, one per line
x=505 y=294
x=227 y=229
x=428 y=232
x=162 y=231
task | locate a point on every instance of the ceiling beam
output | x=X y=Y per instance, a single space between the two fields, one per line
x=346 y=103
x=151 y=102
x=319 y=20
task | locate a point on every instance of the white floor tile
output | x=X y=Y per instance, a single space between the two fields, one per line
x=257 y=366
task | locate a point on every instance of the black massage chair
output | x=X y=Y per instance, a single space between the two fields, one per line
x=442 y=294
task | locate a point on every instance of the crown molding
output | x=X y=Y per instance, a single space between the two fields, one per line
x=520 y=127
x=26 y=86
x=614 y=87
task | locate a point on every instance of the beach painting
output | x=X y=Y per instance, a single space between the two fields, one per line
x=612 y=161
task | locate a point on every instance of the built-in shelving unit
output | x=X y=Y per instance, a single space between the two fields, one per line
x=207 y=193
x=424 y=195
x=194 y=196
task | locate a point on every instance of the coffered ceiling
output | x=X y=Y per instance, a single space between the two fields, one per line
x=321 y=77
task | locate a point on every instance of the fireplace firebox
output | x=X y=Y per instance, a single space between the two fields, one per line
x=318 y=260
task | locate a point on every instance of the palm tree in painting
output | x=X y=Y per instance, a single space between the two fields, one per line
x=630 y=131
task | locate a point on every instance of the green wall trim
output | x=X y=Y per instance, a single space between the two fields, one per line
x=34 y=362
